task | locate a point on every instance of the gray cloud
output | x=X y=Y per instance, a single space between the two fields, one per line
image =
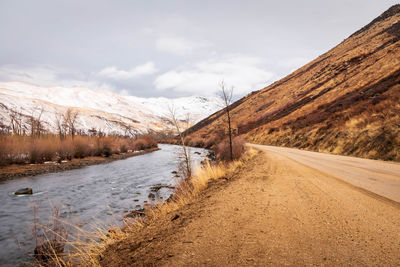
x=244 y=73
x=153 y=48
x=133 y=73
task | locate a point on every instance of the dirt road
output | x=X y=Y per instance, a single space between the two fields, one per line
x=276 y=211
x=380 y=177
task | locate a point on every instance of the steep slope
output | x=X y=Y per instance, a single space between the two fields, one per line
x=346 y=101
x=102 y=110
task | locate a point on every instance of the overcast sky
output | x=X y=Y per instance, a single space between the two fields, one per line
x=171 y=48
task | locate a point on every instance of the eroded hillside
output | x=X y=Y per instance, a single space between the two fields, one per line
x=346 y=101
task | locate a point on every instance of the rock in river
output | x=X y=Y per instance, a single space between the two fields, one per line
x=24 y=191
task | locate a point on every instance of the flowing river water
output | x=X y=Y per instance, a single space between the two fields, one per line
x=98 y=193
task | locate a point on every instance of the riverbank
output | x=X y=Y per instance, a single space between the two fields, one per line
x=17 y=170
x=90 y=253
x=97 y=196
x=272 y=211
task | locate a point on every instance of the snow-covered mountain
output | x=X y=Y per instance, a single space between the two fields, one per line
x=99 y=109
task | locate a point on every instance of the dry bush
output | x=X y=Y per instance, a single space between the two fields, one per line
x=42 y=149
x=145 y=143
x=237 y=149
x=125 y=144
x=16 y=149
x=81 y=147
x=211 y=141
x=107 y=146
x=140 y=144
x=196 y=142
x=4 y=151
x=151 y=142
x=65 y=149
x=96 y=147
x=187 y=140
x=50 y=238
x=123 y=148
x=12 y=150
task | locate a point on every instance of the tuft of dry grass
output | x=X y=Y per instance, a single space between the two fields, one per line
x=238 y=149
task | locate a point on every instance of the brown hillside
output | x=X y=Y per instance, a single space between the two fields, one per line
x=346 y=101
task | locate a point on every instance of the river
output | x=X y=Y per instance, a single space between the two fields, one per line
x=98 y=193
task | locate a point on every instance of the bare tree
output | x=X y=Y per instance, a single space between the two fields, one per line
x=92 y=131
x=226 y=96
x=4 y=129
x=187 y=163
x=16 y=122
x=61 y=129
x=129 y=131
x=69 y=119
x=35 y=123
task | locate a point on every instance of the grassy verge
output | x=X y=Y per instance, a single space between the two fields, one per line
x=88 y=249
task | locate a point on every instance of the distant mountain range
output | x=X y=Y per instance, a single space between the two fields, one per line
x=346 y=101
x=98 y=109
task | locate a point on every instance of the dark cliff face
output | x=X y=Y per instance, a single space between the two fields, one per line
x=346 y=101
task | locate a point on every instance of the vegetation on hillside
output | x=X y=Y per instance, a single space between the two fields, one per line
x=346 y=101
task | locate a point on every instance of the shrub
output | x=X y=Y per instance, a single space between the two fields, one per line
x=196 y=142
x=123 y=148
x=107 y=147
x=16 y=149
x=211 y=141
x=140 y=144
x=34 y=154
x=151 y=142
x=187 y=141
x=81 y=147
x=96 y=147
x=65 y=149
x=237 y=149
x=13 y=150
x=42 y=150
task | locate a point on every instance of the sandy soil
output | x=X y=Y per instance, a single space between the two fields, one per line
x=375 y=176
x=276 y=211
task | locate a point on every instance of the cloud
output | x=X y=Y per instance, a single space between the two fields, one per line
x=138 y=71
x=293 y=63
x=178 y=46
x=49 y=76
x=242 y=72
x=43 y=74
x=148 y=30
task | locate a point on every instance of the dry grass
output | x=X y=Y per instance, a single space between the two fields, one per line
x=345 y=101
x=238 y=149
x=87 y=248
x=188 y=190
x=16 y=149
